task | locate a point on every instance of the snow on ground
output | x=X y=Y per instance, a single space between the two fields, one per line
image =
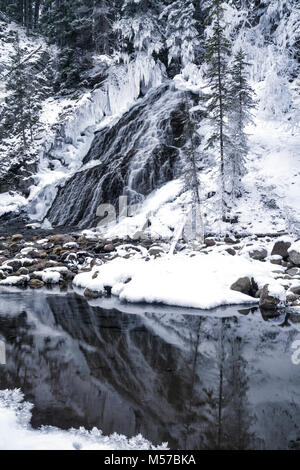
x=11 y=202
x=200 y=281
x=270 y=204
x=273 y=179
x=16 y=432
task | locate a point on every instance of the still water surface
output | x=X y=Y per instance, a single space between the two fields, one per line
x=198 y=380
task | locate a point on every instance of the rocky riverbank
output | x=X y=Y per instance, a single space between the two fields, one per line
x=34 y=261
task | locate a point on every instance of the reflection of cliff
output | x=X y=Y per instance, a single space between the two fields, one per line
x=190 y=380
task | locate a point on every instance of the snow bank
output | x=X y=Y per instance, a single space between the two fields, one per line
x=16 y=432
x=11 y=203
x=202 y=281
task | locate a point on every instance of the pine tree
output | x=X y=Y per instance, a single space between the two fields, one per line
x=103 y=16
x=191 y=160
x=25 y=12
x=15 y=103
x=218 y=51
x=20 y=113
x=139 y=27
x=69 y=25
x=181 y=31
x=240 y=103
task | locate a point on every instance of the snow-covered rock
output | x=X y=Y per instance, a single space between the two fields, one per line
x=273 y=296
x=294 y=253
x=15 y=280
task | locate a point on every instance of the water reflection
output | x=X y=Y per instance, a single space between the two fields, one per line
x=212 y=380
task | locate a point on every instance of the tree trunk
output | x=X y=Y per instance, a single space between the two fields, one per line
x=36 y=13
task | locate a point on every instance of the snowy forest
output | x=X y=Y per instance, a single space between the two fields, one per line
x=150 y=181
x=233 y=60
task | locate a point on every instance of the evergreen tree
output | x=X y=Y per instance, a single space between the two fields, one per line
x=218 y=51
x=20 y=113
x=15 y=116
x=240 y=103
x=103 y=15
x=58 y=21
x=191 y=160
x=69 y=25
x=181 y=31
x=139 y=27
x=25 y=12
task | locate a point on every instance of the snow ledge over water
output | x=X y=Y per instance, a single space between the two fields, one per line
x=199 y=281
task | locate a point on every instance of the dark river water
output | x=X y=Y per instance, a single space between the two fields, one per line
x=197 y=380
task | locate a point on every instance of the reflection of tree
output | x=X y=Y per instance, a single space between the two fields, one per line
x=215 y=397
x=221 y=363
x=191 y=414
x=228 y=413
x=237 y=416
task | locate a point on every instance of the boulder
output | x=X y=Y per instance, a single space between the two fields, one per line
x=17 y=237
x=293 y=272
x=14 y=247
x=109 y=248
x=91 y=294
x=22 y=271
x=294 y=253
x=28 y=262
x=292 y=297
x=258 y=254
x=295 y=290
x=230 y=240
x=295 y=258
x=18 y=281
x=60 y=239
x=272 y=297
x=246 y=286
x=15 y=264
x=155 y=251
x=209 y=242
x=36 y=283
x=68 y=275
x=281 y=248
x=243 y=284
